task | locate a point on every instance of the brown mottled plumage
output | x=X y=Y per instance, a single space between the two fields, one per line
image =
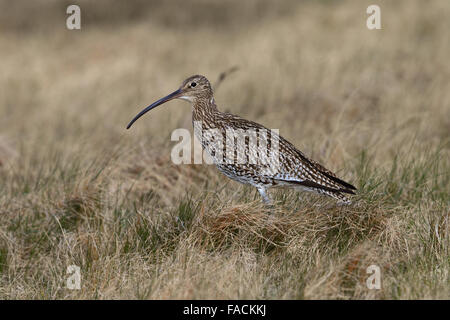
x=283 y=165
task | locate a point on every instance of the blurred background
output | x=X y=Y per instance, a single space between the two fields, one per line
x=345 y=95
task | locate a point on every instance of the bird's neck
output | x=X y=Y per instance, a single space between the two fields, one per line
x=204 y=109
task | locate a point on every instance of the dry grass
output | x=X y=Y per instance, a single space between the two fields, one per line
x=77 y=188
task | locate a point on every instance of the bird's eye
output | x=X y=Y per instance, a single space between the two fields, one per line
x=193 y=84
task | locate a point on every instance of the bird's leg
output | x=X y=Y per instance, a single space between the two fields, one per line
x=266 y=198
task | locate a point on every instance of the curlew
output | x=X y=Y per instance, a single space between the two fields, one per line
x=262 y=159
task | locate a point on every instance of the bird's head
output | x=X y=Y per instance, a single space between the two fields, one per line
x=193 y=88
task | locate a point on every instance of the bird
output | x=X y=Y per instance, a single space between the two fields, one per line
x=263 y=158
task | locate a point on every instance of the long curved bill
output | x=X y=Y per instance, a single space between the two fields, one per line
x=171 y=96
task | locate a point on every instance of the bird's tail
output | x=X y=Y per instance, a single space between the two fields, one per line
x=339 y=196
